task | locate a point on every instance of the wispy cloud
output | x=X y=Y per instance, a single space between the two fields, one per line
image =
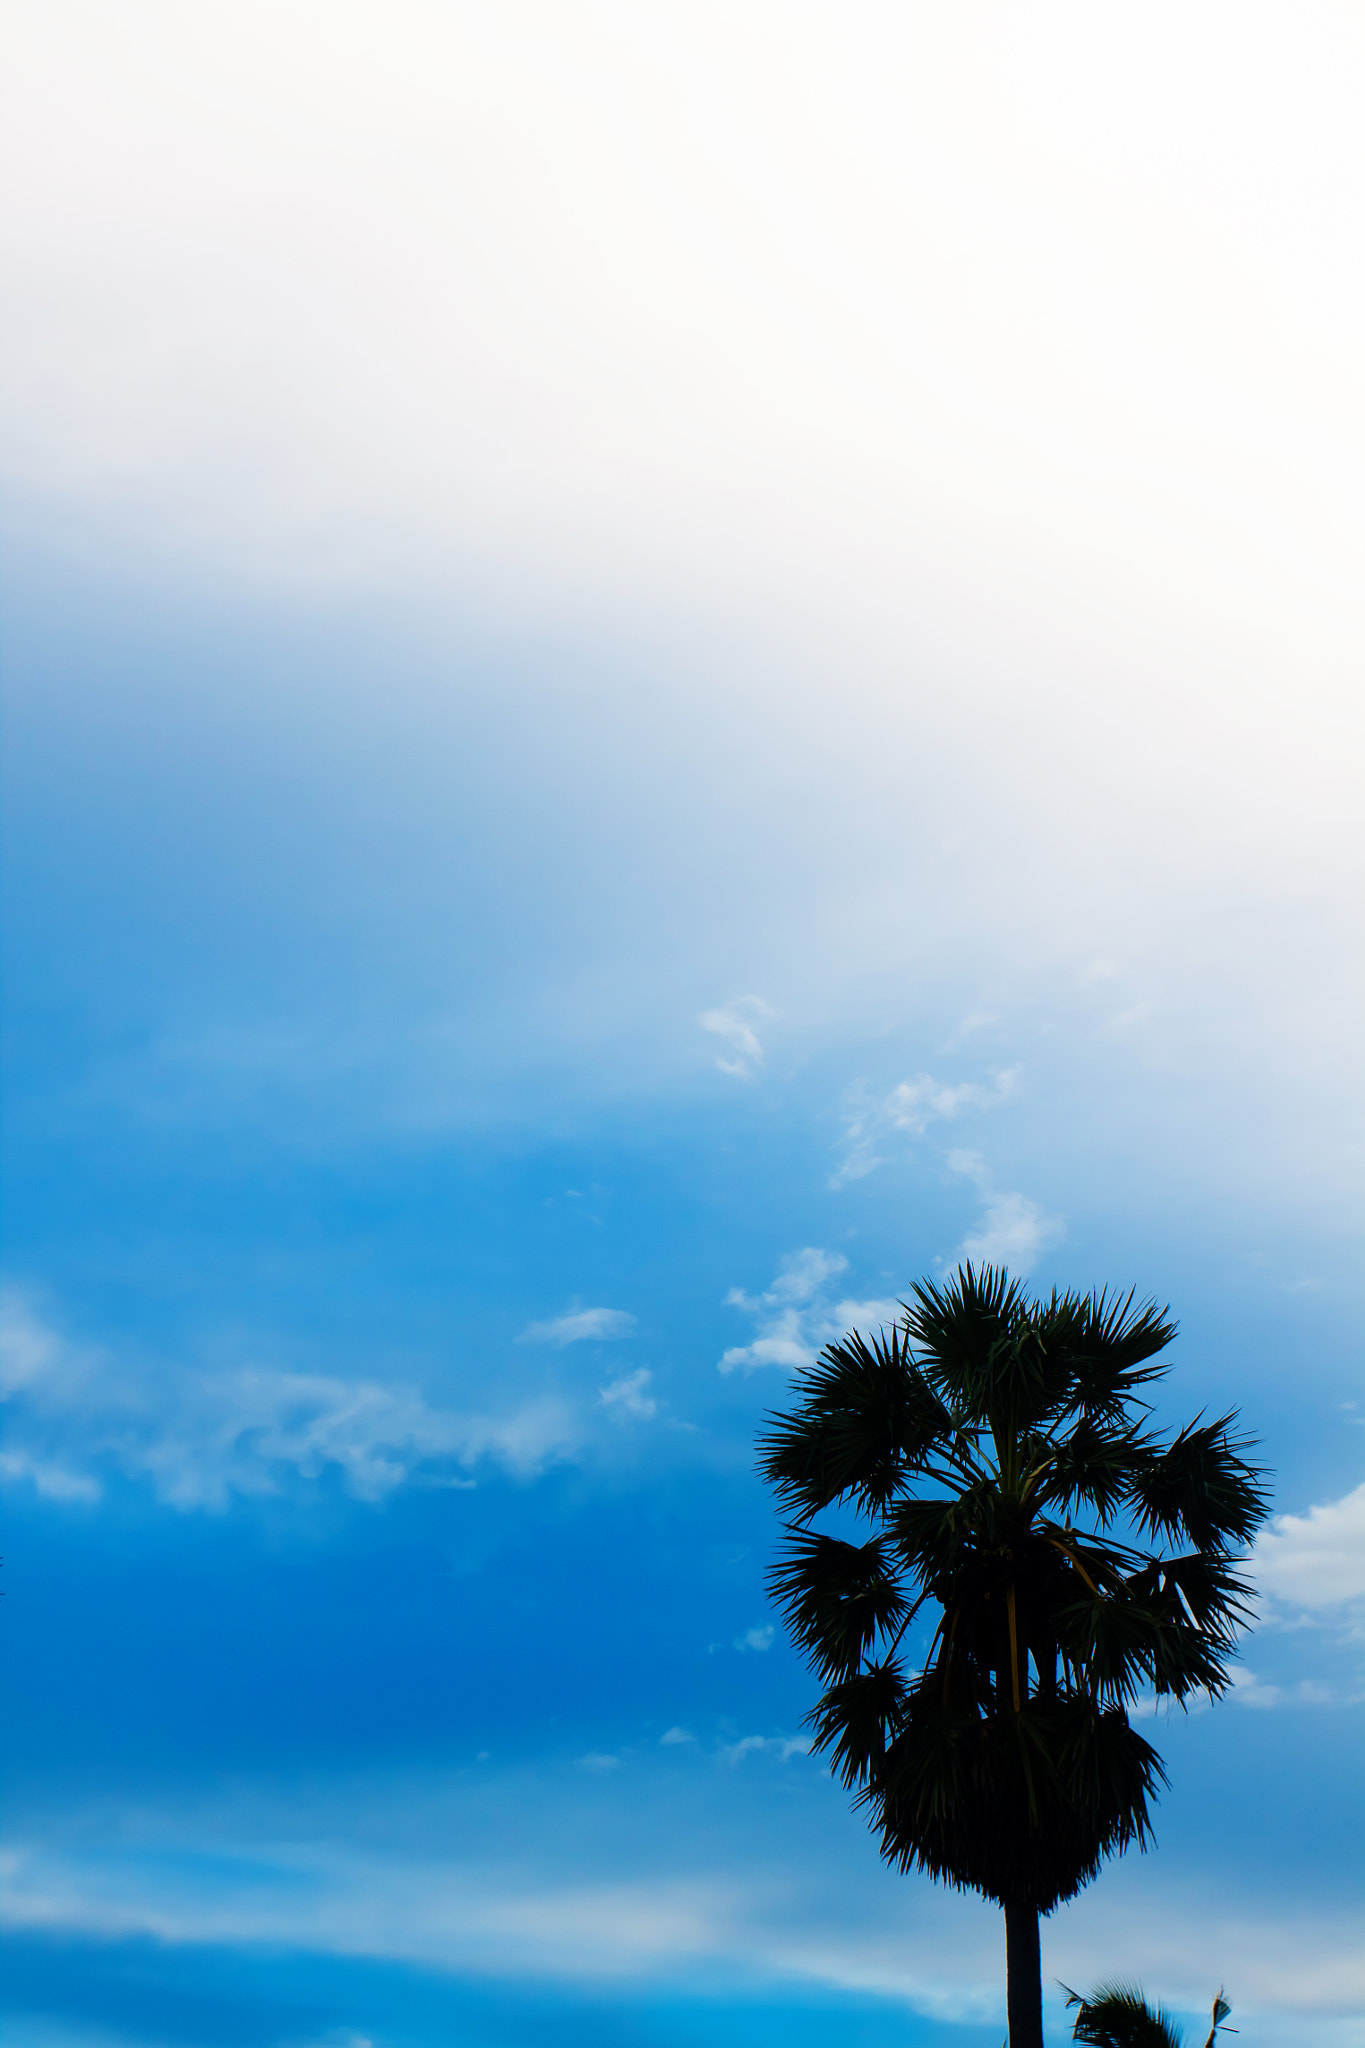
x=780 y=1746
x=795 y=1315
x=600 y=1899
x=578 y=1326
x=1012 y=1229
x=630 y=1396
x=758 y=1638
x=1249 y=1689
x=910 y=1108
x=199 y=1437
x=785 y=1312
x=735 y=1024
x=455 y=1916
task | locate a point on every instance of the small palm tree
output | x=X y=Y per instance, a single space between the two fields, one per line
x=1118 y=2016
x=972 y=1437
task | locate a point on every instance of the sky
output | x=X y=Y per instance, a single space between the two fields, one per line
x=664 y=667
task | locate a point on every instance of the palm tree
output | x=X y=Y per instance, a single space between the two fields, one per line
x=1118 y=2016
x=972 y=1436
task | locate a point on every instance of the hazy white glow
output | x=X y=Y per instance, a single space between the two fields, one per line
x=705 y=293
x=966 y=400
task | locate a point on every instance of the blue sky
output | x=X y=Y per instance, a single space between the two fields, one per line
x=663 y=667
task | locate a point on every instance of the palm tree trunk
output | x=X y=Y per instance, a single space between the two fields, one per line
x=1023 y=1975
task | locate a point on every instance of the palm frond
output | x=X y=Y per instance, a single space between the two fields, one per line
x=1118 y=2016
x=1112 y=1641
x=856 y=1719
x=1091 y=1466
x=837 y=1598
x=1199 y=1602
x=1201 y=1487
x=968 y=1331
x=1221 y=2010
x=933 y=1538
x=1108 y=1342
x=868 y=1418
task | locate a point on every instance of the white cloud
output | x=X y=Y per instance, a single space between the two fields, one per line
x=628 y=1396
x=757 y=1638
x=801 y=1275
x=784 y=1311
x=781 y=1344
x=911 y=1107
x=1250 y=1691
x=1315 y=1560
x=735 y=1024
x=1012 y=1230
x=200 y=1437
x=578 y=1325
x=795 y=1317
x=672 y=1737
x=780 y=1746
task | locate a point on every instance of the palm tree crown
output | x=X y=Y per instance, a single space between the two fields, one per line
x=1118 y=2016
x=1002 y=1451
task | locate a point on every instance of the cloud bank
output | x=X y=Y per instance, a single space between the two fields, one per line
x=1315 y=1561
x=201 y=1437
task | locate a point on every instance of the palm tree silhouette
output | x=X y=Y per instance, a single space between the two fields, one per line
x=1118 y=2016
x=971 y=1436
